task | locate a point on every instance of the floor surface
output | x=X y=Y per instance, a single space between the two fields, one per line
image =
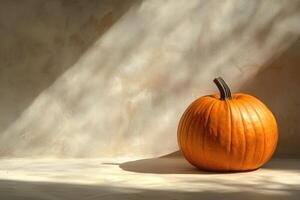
x=132 y=178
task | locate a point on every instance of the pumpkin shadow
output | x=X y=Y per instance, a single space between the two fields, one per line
x=173 y=163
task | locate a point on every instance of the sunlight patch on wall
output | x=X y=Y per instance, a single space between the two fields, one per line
x=125 y=95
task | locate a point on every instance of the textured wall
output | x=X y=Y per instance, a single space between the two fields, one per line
x=112 y=78
x=278 y=85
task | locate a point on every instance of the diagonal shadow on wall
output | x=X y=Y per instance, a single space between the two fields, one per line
x=277 y=84
x=141 y=69
x=40 y=40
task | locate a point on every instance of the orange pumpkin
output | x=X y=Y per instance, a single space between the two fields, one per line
x=224 y=132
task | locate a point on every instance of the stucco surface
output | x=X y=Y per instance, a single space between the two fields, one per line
x=112 y=78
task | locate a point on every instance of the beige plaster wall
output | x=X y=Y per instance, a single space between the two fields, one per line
x=112 y=78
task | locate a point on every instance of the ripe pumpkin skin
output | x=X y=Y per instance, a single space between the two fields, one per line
x=237 y=134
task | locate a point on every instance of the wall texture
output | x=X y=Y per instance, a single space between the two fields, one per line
x=112 y=78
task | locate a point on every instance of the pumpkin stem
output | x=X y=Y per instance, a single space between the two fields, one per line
x=223 y=88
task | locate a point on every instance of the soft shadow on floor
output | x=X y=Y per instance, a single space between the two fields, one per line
x=168 y=164
x=174 y=163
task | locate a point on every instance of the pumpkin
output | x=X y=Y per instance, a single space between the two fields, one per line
x=224 y=132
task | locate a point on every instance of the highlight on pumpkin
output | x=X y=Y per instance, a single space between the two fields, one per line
x=220 y=133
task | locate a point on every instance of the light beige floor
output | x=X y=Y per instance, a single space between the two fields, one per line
x=157 y=178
